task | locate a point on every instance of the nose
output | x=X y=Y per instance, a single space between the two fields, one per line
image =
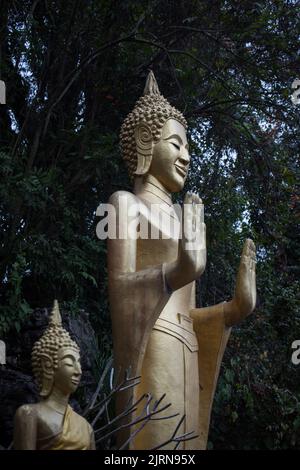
x=184 y=157
x=78 y=371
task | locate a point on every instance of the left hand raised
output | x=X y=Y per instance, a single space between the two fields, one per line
x=244 y=300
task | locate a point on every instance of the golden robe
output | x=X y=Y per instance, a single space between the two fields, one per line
x=76 y=434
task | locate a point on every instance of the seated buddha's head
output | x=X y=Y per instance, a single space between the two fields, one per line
x=153 y=139
x=56 y=358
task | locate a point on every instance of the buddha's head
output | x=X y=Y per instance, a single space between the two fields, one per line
x=153 y=139
x=56 y=358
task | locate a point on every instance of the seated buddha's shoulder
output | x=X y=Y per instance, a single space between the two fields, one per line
x=28 y=412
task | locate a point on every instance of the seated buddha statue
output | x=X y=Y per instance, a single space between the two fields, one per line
x=52 y=424
x=157 y=330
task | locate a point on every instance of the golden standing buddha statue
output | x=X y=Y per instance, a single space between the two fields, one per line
x=157 y=330
x=52 y=424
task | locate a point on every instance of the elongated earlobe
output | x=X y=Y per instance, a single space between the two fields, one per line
x=144 y=147
x=47 y=375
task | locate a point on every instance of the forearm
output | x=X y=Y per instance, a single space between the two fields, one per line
x=206 y=313
x=236 y=311
x=178 y=276
x=232 y=312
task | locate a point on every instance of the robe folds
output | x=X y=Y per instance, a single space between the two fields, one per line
x=76 y=434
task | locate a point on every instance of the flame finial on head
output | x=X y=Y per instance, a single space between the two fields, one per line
x=55 y=317
x=151 y=87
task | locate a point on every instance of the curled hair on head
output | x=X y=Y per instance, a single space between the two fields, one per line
x=54 y=338
x=151 y=109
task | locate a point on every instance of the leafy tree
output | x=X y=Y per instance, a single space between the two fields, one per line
x=73 y=71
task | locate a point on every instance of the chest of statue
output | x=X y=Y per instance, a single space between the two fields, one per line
x=158 y=232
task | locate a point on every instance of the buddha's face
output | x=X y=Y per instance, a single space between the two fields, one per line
x=170 y=158
x=68 y=373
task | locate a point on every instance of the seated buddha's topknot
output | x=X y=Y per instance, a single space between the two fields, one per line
x=152 y=109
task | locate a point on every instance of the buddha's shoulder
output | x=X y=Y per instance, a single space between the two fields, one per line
x=123 y=201
x=28 y=411
x=123 y=196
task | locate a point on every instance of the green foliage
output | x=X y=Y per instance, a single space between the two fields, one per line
x=73 y=71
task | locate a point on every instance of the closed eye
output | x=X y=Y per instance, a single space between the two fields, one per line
x=175 y=145
x=69 y=364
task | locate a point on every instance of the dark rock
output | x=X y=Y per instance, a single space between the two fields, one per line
x=16 y=389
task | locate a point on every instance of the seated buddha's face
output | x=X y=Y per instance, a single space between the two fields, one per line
x=68 y=373
x=170 y=158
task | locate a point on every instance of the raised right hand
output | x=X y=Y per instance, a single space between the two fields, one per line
x=191 y=260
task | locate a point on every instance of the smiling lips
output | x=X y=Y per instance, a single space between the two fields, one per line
x=181 y=170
